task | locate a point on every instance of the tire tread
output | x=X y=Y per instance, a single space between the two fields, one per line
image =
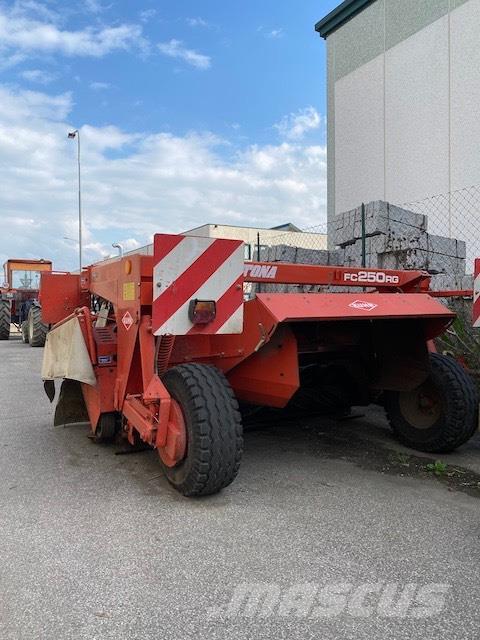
x=5 y=317
x=461 y=420
x=218 y=437
x=39 y=329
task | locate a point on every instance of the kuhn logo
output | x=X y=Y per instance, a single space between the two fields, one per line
x=362 y=305
x=259 y=271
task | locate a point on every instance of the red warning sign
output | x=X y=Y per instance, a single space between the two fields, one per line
x=127 y=320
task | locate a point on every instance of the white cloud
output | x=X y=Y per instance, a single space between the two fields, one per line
x=147 y=14
x=176 y=49
x=32 y=8
x=95 y=6
x=23 y=34
x=274 y=34
x=296 y=125
x=99 y=86
x=32 y=105
x=137 y=184
x=40 y=76
x=197 y=22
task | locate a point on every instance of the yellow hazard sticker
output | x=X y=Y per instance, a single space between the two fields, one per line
x=129 y=290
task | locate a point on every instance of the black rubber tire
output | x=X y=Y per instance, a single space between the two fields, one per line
x=214 y=430
x=5 y=319
x=37 y=330
x=106 y=428
x=458 y=419
x=24 y=330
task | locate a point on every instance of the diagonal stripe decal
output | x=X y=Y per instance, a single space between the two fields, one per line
x=197 y=267
x=170 y=266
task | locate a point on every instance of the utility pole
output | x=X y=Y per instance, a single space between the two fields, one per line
x=71 y=135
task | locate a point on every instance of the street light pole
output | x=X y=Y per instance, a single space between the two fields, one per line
x=76 y=134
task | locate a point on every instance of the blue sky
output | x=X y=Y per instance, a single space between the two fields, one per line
x=190 y=112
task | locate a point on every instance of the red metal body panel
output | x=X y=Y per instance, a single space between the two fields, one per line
x=385 y=279
x=286 y=307
x=270 y=375
x=60 y=294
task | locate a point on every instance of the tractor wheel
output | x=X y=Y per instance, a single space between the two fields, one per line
x=24 y=329
x=106 y=428
x=37 y=330
x=439 y=415
x=209 y=416
x=4 y=319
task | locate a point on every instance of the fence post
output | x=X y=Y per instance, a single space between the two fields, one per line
x=258 y=246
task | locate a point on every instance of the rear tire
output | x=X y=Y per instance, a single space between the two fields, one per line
x=214 y=430
x=441 y=414
x=4 y=319
x=37 y=330
x=24 y=329
x=106 y=428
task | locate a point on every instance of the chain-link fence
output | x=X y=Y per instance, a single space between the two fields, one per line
x=283 y=245
x=301 y=246
x=440 y=234
x=454 y=215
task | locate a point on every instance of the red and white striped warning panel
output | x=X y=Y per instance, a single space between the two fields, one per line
x=191 y=268
x=476 y=294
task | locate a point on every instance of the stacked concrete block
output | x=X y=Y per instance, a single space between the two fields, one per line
x=397 y=239
x=298 y=255
x=450 y=282
x=381 y=218
x=435 y=263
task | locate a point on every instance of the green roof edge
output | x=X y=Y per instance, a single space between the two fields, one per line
x=340 y=15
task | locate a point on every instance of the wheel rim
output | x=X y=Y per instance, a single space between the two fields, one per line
x=175 y=448
x=423 y=407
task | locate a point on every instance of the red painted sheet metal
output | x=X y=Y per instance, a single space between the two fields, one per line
x=352 y=306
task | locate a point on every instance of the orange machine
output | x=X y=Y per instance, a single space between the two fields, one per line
x=19 y=300
x=162 y=349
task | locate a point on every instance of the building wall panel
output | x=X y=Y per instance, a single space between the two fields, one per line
x=417 y=115
x=359 y=141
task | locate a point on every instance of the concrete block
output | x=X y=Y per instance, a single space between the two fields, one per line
x=449 y=282
x=312 y=256
x=424 y=260
x=380 y=218
x=461 y=249
x=400 y=239
x=442 y=282
x=265 y=254
x=336 y=257
x=405 y=216
x=283 y=253
x=446 y=246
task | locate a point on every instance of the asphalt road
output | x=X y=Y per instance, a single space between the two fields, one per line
x=95 y=545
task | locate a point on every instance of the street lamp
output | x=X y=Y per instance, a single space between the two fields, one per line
x=71 y=135
x=117 y=245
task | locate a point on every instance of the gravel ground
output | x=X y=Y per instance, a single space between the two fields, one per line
x=95 y=545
